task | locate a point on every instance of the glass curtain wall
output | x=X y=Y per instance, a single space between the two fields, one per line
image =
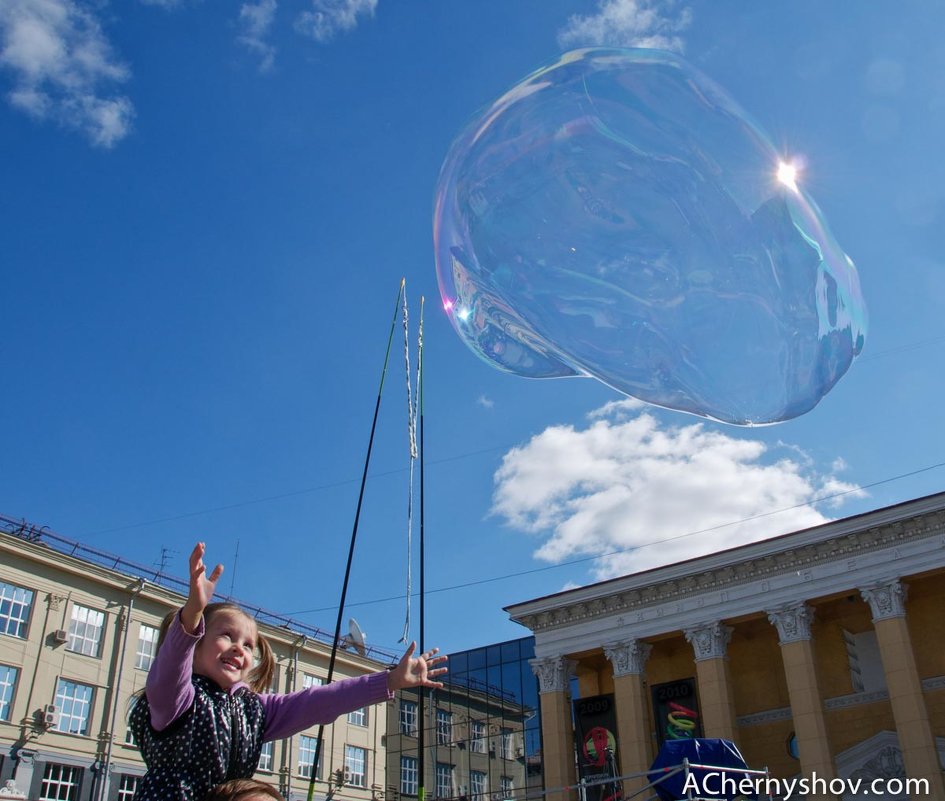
x=482 y=730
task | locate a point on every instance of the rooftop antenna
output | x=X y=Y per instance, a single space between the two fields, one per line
x=162 y=564
x=236 y=556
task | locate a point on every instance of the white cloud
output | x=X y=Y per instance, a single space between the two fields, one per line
x=63 y=68
x=628 y=23
x=330 y=17
x=256 y=23
x=484 y=402
x=627 y=483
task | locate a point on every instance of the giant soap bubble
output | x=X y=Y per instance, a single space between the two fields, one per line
x=617 y=215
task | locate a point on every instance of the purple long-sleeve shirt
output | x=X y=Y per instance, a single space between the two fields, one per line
x=170 y=691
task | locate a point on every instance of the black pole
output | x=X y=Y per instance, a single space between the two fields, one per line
x=354 y=536
x=421 y=740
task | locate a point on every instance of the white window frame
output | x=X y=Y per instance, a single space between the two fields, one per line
x=506 y=743
x=74 y=704
x=478 y=785
x=444 y=727
x=266 y=756
x=146 y=647
x=16 y=605
x=9 y=676
x=359 y=717
x=58 y=779
x=356 y=765
x=477 y=737
x=310 y=680
x=444 y=780
x=408 y=717
x=86 y=627
x=127 y=785
x=307 y=747
x=507 y=786
x=409 y=775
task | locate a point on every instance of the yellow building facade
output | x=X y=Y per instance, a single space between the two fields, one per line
x=76 y=641
x=818 y=652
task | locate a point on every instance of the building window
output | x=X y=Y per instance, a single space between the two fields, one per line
x=408 y=718
x=15 y=605
x=477 y=737
x=505 y=783
x=85 y=630
x=73 y=701
x=306 y=755
x=478 y=785
x=444 y=780
x=308 y=680
x=147 y=647
x=130 y=738
x=358 y=717
x=265 y=757
x=60 y=783
x=505 y=743
x=127 y=784
x=408 y=775
x=356 y=765
x=8 y=677
x=444 y=727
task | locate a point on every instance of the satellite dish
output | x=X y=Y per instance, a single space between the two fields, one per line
x=356 y=637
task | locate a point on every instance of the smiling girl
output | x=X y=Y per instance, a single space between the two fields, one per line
x=203 y=720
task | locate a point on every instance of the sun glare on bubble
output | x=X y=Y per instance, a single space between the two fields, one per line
x=787 y=175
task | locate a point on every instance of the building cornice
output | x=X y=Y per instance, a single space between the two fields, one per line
x=836 y=557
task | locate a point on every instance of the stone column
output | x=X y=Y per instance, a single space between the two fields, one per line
x=709 y=642
x=633 y=729
x=554 y=674
x=887 y=602
x=793 y=623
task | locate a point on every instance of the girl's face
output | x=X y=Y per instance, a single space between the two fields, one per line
x=225 y=654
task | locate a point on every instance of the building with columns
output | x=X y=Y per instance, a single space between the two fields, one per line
x=817 y=651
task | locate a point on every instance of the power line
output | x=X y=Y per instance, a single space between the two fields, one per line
x=283 y=495
x=335 y=484
x=661 y=541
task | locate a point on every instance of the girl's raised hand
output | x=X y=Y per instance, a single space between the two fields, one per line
x=202 y=588
x=416 y=671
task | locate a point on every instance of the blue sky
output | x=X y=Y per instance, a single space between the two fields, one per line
x=207 y=210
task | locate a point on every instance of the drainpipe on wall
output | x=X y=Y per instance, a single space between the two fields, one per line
x=105 y=770
x=297 y=646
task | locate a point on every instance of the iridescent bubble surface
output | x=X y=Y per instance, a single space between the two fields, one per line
x=617 y=215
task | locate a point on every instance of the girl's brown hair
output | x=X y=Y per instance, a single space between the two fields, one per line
x=260 y=677
x=243 y=790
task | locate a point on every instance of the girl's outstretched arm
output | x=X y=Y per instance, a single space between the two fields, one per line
x=169 y=688
x=289 y=714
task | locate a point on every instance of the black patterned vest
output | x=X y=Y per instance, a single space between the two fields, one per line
x=219 y=738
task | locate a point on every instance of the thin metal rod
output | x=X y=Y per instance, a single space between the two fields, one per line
x=421 y=740
x=354 y=536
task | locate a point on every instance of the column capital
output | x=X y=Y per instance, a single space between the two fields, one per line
x=628 y=656
x=710 y=640
x=792 y=621
x=554 y=673
x=887 y=599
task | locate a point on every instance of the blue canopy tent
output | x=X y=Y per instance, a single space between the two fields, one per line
x=719 y=773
